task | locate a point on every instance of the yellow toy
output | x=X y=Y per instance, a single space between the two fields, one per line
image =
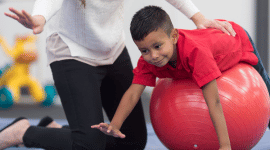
x=23 y=53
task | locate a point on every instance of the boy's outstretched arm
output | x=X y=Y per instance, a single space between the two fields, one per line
x=211 y=96
x=127 y=104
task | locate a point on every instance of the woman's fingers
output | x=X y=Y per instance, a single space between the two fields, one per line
x=18 y=13
x=225 y=26
x=228 y=27
x=27 y=16
x=36 y=23
x=221 y=27
x=12 y=16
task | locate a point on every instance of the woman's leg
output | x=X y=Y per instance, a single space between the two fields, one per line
x=78 y=86
x=115 y=84
x=12 y=134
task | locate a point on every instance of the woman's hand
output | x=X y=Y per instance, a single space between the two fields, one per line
x=36 y=23
x=202 y=23
x=109 y=130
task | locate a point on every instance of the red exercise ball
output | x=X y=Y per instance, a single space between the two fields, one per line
x=181 y=120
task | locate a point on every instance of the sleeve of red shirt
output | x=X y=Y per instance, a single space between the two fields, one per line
x=200 y=63
x=142 y=75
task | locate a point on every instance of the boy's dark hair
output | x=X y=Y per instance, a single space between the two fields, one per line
x=149 y=19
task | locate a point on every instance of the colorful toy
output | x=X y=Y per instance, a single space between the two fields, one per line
x=15 y=76
x=181 y=119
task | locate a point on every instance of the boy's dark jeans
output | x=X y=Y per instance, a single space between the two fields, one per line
x=259 y=67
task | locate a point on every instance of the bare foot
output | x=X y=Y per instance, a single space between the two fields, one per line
x=53 y=124
x=13 y=135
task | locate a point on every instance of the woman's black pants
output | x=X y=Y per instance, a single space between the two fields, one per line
x=84 y=90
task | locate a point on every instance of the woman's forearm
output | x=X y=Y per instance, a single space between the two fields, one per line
x=197 y=18
x=46 y=8
x=184 y=6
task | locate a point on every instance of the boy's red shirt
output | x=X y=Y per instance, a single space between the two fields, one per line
x=202 y=55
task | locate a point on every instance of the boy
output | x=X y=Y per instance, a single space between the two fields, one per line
x=176 y=53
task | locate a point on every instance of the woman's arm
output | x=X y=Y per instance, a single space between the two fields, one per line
x=43 y=11
x=184 y=6
x=211 y=96
x=192 y=12
x=46 y=8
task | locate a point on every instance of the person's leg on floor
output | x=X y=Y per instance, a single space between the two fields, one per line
x=78 y=86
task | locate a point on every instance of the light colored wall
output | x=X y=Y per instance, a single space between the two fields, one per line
x=239 y=11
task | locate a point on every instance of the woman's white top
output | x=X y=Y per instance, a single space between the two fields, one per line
x=95 y=32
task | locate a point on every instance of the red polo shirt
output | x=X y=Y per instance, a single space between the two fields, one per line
x=202 y=55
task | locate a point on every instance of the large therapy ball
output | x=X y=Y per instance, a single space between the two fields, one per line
x=181 y=119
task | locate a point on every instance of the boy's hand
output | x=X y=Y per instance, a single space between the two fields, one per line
x=36 y=23
x=109 y=130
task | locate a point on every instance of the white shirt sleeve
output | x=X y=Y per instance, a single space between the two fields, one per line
x=185 y=6
x=46 y=8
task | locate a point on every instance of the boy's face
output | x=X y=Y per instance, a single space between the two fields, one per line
x=158 y=48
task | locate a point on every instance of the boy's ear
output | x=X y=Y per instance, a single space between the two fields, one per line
x=174 y=35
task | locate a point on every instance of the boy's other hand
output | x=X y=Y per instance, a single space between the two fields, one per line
x=36 y=23
x=109 y=130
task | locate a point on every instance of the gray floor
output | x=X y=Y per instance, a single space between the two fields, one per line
x=34 y=112
x=153 y=143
